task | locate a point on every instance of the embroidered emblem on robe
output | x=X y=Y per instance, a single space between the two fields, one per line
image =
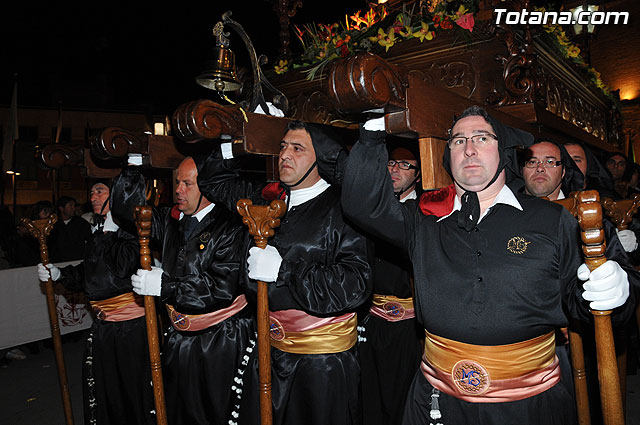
x=470 y=377
x=180 y=321
x=395 y=310
x=517 y=245
x=276 y=330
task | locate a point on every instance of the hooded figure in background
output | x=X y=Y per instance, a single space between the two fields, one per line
x=596 y=176
x=318 y=266
x=494 y=272
x=115 y=391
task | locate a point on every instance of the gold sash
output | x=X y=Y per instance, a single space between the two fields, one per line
x=500 y=361
x=330 y=338
x=123 y=307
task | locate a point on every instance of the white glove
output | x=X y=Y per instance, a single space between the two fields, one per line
x=147 y=282
x=134 y=159
x=607 y=287
x=273 y=111
x=264 y=264
x=44 y=274
x=375 y=124
x=628 y=239
x=109 y=225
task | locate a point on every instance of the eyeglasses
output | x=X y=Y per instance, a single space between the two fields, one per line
x=479 y=141
x=403 y=165
x=546 y=163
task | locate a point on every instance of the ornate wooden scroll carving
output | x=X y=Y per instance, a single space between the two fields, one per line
x=366 y=81
x=206 y=119
x=116 y=142
x=517 y=64
x=56 y=155
x=556 y=97
x=622 y=211
x=459 y=76
x=316 y=107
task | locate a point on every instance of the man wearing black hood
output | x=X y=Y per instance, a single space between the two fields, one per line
x=212 y=328
x=320 y=275
x=116 y=372
x=390 y=338
x=495 y=275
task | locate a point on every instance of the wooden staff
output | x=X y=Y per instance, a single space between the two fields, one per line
x=40 y=229
x=575 y=341
x=261 y=220
x=590 y=219
x=143 y=216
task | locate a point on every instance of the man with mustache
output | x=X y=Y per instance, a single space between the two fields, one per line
x=319 y=274
x=495 y=275
x=212 y=329
x=115 y=391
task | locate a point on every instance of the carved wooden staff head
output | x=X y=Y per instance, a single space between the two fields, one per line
x=261 y=219
x=590 y=220
x=143 y=215
x=622 y=211
x=40 y=229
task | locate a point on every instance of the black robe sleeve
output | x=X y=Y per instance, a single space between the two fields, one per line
x=219 y=181
x=342 y=283
x=367 y=192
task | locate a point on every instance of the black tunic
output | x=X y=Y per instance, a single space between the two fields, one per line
x=116 y=367
x=68 y=242
x=324 y=272
x=202 y=369
x=470 y=287
x=389 y=352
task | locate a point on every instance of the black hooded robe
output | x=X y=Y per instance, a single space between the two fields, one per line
x=203 y=369
x=324 y=272
x=389 y=351
x=470 y=287
x=116 y=371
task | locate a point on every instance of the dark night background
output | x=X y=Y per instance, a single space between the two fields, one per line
x=133 y=56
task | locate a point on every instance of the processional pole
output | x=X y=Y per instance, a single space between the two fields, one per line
x=40 y=229
x=143 y=215
x=261 y=220
x=590 y=220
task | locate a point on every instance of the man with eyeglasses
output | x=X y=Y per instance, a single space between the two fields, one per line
x=543 y=171
x=405 y=172
x=489 y=320
x=390 y=339
x=562 y=169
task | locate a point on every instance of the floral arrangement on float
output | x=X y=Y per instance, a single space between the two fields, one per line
x=571 y=51
x=379 y=29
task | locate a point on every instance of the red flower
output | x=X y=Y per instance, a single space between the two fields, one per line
x=273 y=191
x=446 y=23
x=175 y=212
x=466 y=21
x=438 y=202
x=436 y=21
